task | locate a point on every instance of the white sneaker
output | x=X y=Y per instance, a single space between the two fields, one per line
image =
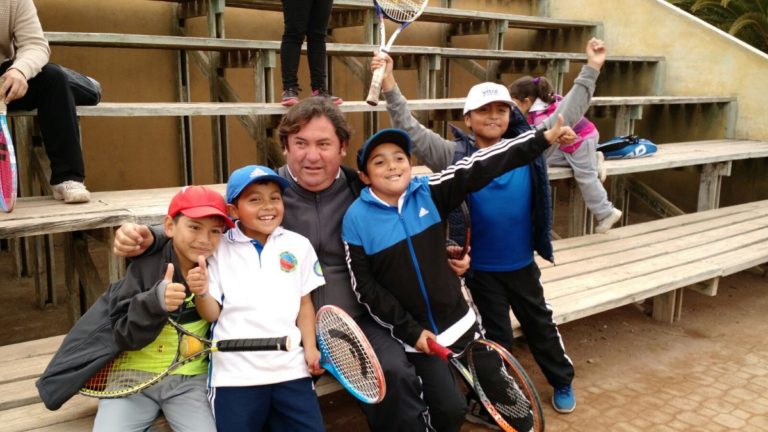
x=607 y=222
x=602 y=174
x=71 y=192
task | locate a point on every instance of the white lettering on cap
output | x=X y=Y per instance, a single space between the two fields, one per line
x=257 y=172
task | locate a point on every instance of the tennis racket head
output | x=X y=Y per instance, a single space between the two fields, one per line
x=503 y=387
x=402 y=11
x=121 y=377
x=458 y=232
x=128 y=374
x=348 y=356
x=8 y=177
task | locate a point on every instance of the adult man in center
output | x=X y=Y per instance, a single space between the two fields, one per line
x=315 y=136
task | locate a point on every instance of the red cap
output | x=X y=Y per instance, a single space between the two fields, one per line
x=199 y=202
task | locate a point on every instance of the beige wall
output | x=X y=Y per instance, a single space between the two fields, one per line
x=700 y=59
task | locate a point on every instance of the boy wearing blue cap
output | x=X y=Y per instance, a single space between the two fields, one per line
x=394 y=235
x=260 y=280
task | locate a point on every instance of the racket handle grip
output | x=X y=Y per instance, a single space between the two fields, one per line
x=375 y=90
x=439 y=350
x=260 y=344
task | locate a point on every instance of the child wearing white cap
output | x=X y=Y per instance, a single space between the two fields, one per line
x=511 y=218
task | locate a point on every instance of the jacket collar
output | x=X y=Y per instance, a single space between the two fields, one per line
x=237 y=236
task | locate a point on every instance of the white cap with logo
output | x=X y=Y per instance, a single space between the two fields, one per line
x=485 y=93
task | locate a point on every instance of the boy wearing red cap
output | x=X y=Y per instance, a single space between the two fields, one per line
x=132 y=317
x=165 y=284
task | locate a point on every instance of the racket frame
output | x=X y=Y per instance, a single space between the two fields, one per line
x=378 y=75
x=7 y=202
x=327 y=363
x=469 y=375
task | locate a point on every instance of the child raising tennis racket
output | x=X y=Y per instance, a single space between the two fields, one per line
x=395 y=240
x=260 y=280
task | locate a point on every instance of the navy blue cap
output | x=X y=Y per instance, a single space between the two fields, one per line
x=395 y=136
x=242 y=177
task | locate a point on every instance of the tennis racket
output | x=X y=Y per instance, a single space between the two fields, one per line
x=400 y=11
x=348 y=356
x=8 y=180
x=120 y=377
x=499 y=382
x=458 y=232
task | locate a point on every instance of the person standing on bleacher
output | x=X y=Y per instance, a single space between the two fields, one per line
x=305 y=18
x=30 y=82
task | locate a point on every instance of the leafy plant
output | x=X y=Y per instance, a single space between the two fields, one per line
x=744 y=19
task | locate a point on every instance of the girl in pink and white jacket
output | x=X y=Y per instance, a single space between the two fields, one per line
x=536 y=99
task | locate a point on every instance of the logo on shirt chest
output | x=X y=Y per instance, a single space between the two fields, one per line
x=288 y=262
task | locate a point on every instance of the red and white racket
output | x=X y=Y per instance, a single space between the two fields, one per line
x=499 y=382
x=400 y=11
x=8 y=178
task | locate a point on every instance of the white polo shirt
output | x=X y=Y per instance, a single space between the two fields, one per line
x=260 y=297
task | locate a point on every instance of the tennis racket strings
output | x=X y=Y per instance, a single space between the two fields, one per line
x=347 y=354
x=500 y=388
x=401 y=10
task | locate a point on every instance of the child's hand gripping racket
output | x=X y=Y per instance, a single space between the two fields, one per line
x=499 y=382
x=121 y=377
x=8 y=180
x=348 y=356
x=458 y=232
x=400 y=11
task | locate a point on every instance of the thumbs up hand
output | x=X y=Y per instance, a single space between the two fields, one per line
x=559 y=133
x=197 y=278
x=174 y=292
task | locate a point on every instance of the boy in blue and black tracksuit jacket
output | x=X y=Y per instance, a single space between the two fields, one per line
x=395 y=243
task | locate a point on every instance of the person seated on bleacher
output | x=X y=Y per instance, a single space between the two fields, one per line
x=30 y=82
x=536 y=98
x=511 y=217
x=131 y=318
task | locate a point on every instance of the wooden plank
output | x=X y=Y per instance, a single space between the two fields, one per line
x=28 y=368
x=436 y=14
x=656 y=225
x=708 y=288
x=18 y=393
x=24 y=350
x=630 y=247
x=176 y=109
x=190 y=43
x=34 y=416
x=655 y=265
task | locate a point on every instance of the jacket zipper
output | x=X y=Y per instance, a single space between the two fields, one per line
x=422 y=287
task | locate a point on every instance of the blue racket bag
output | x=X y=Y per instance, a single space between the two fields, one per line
x=626 y=147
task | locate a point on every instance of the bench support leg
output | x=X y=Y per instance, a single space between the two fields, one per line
x=668 y=306
x=708 y=288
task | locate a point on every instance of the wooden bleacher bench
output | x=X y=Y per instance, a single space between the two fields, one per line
x=594 y=273
x=447 y=108
x=35 y=216
x=598 y=272
x=404 y=55
x=431 y=14
x=121 y=40
x=20 y=405
x=44 y=215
